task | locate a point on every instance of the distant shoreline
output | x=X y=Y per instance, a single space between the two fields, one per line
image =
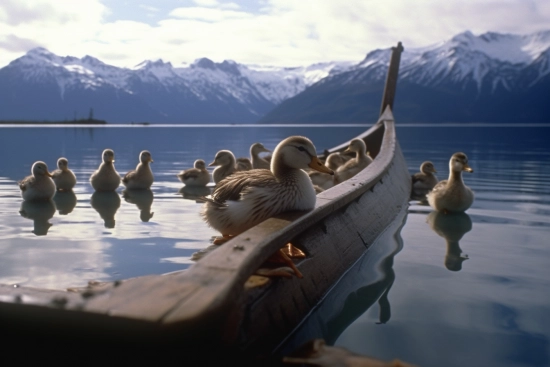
x=64 y=122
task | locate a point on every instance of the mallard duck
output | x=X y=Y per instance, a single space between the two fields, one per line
x=63 y=177
x=354 y=165
x=246 y=198
x=243 y=164
x=257 y=161
x=198 y=176
x=142 y=177
x=226 y=162
x=426 y=178
x=39 y=185
x=106 y=178
x=453 y=195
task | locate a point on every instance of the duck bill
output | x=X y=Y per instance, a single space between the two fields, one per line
x=212 y=164
x=317 y=165
x=468 y=169
x=48 y=174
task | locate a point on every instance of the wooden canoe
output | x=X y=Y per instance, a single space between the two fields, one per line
x=208 y=307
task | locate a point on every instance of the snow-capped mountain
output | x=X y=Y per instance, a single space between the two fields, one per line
x=155 y=91
x=488 y=78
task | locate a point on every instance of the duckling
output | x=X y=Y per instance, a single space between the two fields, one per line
x=257 y=161
x=38 y=186
x=453 y=195
x=63 y=177
x=106 y=178
x=243 y=164
x=426 y=178
x=354 y=165
x=226 y=162
x=336 y=159
x=142 y=177
x=197 y=176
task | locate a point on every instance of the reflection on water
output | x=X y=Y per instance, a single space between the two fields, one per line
x=143 y=200
x=65 y=201
x=451 y=227
x=106 y=203
x=193 y=193
x=40 y=212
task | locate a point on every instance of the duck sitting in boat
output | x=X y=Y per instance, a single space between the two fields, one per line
x=354 y=165
x=63 y=177
x=453 y=195
x=198 y=176
x=38 y=186
x=225 y=160
x=257 y=161
x=106 y=178
x=142 y=177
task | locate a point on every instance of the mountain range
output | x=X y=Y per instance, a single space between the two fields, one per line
x=488 y=78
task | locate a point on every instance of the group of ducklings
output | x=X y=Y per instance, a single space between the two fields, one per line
x=446 y=196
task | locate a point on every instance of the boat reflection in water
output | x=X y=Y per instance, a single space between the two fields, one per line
x=106 y=204
x=40 y=212
x=368 y=281
x=143 y=199
x=65 y=201
x=451 y=227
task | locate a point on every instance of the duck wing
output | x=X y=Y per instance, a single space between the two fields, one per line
x=129 y=176
x=238 y=183
x=190 y=173
x=26 y=182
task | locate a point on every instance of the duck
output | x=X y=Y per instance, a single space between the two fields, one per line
x=243 y=164
x=225 y=160
x=39 y=186
x=257 y=161
x=452 y=195
x=198 y=176
x=106 y=178
x=63 y=177
x=142 y=177
x=426 y=178
x=354 y=165
x=336 y=159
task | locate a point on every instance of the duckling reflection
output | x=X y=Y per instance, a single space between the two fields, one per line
x=193 y=193
x=452 y=227
x=65 y=201
x=419 y=194
x=106 y=203
x=40 y=212
x=143 y=200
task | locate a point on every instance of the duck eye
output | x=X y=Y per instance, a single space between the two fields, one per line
x=301 y=149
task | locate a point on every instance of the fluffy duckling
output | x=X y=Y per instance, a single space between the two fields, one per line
x=336 y=159
x=39 y=185
x=63 y=177
x=247 y=198
x=257 y=161
x=243 y=164
x=106 y=178
x=453 y=195
x=142 y=177
x=198 y=176
x=354 y=165
x=226 y=162
x=426 y=178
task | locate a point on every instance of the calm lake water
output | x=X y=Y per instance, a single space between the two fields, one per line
x=471 y=291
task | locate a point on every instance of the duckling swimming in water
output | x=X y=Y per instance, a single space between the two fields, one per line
x=453 y=195
x=63 y=177
x=142 y=177
x=226 y=162
x=257 y=161
x=106 y=178
x=426 y=178
x=39 y=185
x=197 y=176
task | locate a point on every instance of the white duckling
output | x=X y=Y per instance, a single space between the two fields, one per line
x=257 y=161
x=243 y=164
x=142 y=177
x=63 y=177
x=225 y=160
x=198 y=176
x=426 y=178
x=247 y=198
x=39 y=185
x=354 y=165
x=453 y=195
x=106 y=178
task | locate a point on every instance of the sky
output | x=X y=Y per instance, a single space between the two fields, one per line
x=264 y=32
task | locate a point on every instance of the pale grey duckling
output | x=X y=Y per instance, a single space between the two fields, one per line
x=225 y=160
x=426 y=178
x=257 y=161
x=142 y=177
x=198 y=176
x=243 y=164
x=354 y=165
x=39 y=185
x=453 y=195
x=336 y=159
x=106 y=178
x=63 y=177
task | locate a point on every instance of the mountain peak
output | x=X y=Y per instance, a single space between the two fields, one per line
x=204 y=63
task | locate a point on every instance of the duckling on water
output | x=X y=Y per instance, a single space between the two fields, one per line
x=106 y=178
x=198 y=176
x=38 y=186
x=453 y=195
x=426 y=178
x=142 y=177
x=226 y=162
x=63 y=177
x=257 y=161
